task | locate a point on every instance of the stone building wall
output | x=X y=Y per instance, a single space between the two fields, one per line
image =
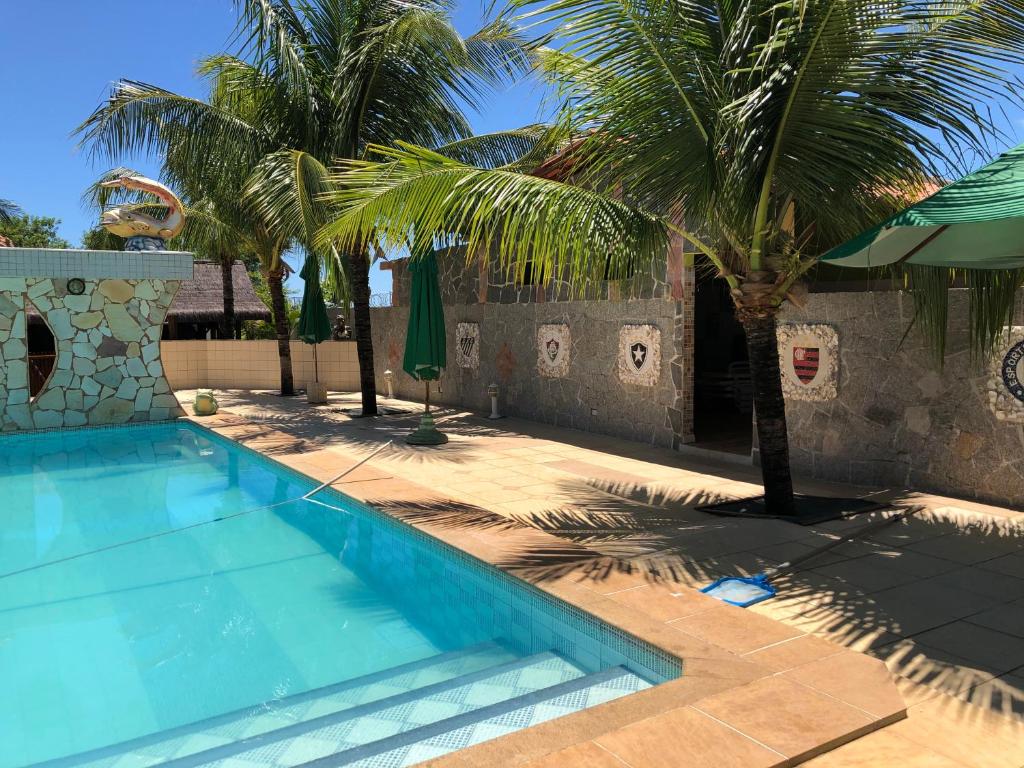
x=898 y=419
x=585 y=389
x=106 y=336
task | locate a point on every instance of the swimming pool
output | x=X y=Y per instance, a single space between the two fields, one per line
x=144 y=621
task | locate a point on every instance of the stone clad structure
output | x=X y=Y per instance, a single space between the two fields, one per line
x=105 y=311
x=866 y=403
x=581 y=386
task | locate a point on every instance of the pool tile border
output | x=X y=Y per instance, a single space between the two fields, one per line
x=717 y=679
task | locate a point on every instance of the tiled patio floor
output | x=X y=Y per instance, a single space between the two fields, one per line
x=939 y=598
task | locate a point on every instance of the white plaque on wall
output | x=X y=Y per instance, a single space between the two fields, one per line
x=467 y=345
x=809 y=359
x=553 y=347
x=639 y=359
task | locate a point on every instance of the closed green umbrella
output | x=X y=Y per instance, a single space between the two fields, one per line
x=425 y=347
x=314 y=325
x=974 y=223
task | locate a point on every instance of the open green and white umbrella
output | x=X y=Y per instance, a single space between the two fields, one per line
x=974 y=223
x=425 y=346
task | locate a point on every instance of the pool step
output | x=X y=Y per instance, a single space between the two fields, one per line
x=500 y=719
x=232 y=727
x=333 y=737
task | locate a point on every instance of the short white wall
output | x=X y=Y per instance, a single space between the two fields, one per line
x=255 y=365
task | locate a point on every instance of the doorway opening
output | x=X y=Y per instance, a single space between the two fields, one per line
x=42 y=355
x=723 y=398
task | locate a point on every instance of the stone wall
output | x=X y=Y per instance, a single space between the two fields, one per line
x=106 y=335
x=592 y=390
x=590 y=397
x=898 y=419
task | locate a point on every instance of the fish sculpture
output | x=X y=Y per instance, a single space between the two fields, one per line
x=141 y=231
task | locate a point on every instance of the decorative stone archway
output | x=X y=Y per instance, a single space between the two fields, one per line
x=106 y=312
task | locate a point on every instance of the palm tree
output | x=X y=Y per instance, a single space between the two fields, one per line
x=758 y=133
x=8 y=210
x=315 y=81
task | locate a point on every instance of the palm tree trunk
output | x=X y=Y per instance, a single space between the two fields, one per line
x=275 y=280
x=227 y=321
x=359 y=269
x=769 y=409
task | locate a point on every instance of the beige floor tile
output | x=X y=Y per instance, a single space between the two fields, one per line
x=881 y=750
x=1003 y=695
x=588 y=755
x=965 y=548
x=963 y=733
x=662 y=604
x=988 y=649
x=686 y=737
x=870 y=573
x=794 y=652
x=734 y=629
x=854 y=678
x=1011 y=565
x=1004 y=618
x=922 y=605
x=784 y=715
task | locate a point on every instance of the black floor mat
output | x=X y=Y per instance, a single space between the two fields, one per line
x=810 y=510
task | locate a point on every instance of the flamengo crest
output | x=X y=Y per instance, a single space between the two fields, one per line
x=809 y=359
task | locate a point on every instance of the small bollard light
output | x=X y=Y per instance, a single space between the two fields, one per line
x=389 y=378
x=492 y=390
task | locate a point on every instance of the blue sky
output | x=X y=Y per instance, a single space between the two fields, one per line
x=58 y=59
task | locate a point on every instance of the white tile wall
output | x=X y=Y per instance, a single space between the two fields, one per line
x=130 y=265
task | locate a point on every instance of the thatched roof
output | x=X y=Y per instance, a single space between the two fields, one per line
x=201 y=299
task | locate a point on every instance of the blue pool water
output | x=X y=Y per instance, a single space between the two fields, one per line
x=318 y=630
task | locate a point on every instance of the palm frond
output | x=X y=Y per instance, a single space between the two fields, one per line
x=524 y=147
x=523 y=221
x=142 y=120
x=272 y=31
x=929 y=288
x=992 y=296
x=287 y=190
x=8 y=210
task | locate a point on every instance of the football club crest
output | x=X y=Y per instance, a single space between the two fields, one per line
x=553 y=345
x=638 y=355
x=1012 y=370
x=552 y=348
x=639 y=360
x=467 y=345
x=805 y=363
x=809 y=359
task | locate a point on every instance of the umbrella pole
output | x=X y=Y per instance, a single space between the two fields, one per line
x=426 y=433
x=316 y=366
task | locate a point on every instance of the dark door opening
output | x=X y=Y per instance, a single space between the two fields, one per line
x=723 y=397
x=42 y=355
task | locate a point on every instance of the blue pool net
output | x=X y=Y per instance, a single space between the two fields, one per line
x=740 y=590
